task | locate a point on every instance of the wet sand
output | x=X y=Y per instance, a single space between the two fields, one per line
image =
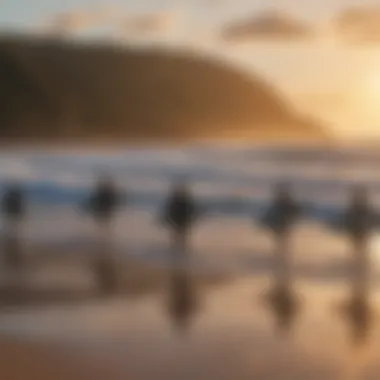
x=131 y=336
x=70 y=279
x=54 y=287
x=54 y=319
x=22 y=360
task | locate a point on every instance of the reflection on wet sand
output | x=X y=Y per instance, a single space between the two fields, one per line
x=132 y=331
x=104 y=267
x=282 y=299
x=358 y=311
x=70 y=280
x=182 y=299
x=12 y=251
x=359 y=318
x=285 y=306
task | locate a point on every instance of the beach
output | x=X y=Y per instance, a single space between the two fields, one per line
x=206 y=317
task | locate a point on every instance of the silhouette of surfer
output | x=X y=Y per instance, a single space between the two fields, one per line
x=280 y=219
x=359 y=225
x=358 y=218
x=13 y=207
x=104 y=201
x=182 y=299
x=283 y=212
x=180 y=214
x=103 y=205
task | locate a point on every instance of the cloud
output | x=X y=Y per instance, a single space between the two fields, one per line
x=270 y=25
x=213 y=3
x=81 y=19
x=358 y=24
x=156 y=22
x=74 y=21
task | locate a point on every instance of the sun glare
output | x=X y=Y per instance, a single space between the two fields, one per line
x=372 y=84
x=375 y=250
x=364 y=110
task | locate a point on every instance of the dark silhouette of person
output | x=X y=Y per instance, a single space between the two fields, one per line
x=103 y=204
x=182 y=299
x=180 y=213
x=13 y=207
x=280 y=219
x=358 y=218
x=13 y=203
x=358 y=222
x=283 y=211
x=104 y=201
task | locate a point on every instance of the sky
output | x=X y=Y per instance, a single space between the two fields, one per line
x=24 y=12
x=311 y=73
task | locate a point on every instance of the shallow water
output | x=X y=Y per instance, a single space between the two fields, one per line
x=226 y=181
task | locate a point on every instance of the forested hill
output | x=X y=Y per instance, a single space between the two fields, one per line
x=54 y=89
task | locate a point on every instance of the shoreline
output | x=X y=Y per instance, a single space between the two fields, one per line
x=162 y=143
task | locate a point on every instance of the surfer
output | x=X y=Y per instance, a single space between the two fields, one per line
x=280 y=219
x=359 y=224
x=180 y=213
x=358 y=217
x=104 y=201
x=103 y=205
x=13 y=207
x=182 y=299
x=283 y=212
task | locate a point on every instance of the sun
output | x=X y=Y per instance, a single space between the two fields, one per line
x=374 y=250
x=368 y=91
x=364 y=100
x=372 y=84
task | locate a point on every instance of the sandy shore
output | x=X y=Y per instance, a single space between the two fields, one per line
x=36 y=358
x=231 y=338
x=21 y=360
x=25 y=360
